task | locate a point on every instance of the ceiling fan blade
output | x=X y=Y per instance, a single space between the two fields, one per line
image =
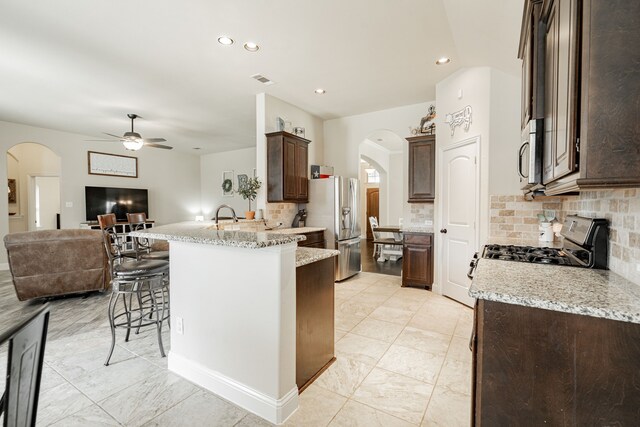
x=103 y=140
x=154 y=140
x=118 y=137
x=151 y=144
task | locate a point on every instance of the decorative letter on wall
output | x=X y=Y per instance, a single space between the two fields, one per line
x=457 y=118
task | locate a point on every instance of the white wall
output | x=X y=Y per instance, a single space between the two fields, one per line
x=495 y=100
x=172 y=178
x=267 y=109
x=211 y=168
x=343 y=148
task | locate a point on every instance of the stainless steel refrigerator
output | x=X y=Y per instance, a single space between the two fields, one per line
x=334 y=203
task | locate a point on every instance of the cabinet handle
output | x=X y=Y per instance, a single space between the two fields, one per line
x=520 y=153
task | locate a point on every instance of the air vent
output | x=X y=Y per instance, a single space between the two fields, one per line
x=262 y=79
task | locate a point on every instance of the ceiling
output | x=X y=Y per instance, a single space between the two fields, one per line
x=81 y=66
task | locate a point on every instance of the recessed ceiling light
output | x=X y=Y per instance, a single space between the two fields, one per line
x=197 y=148
x=227 y=41
x=443 y=60
x=379 y=139
x=320 y=91
x=251 y=47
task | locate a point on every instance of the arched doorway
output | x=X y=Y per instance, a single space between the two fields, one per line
x=33 y=172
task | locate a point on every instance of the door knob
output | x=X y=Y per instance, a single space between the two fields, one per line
x=443 y=231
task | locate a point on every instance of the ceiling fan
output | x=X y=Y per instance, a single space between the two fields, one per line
x=133 y=141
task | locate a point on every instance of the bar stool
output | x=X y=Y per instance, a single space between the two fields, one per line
x=146 y=280
x=141 y=245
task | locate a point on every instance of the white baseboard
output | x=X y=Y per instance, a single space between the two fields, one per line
x=273 y=410
x=4 y=266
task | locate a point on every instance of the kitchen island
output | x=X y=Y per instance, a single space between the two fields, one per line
x=233 y=313
x=554 y=345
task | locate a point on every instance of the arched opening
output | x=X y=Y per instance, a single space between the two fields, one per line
x=33 y=172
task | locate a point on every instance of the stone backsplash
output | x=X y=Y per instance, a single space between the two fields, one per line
x=514 y=220
x=622 y=209
x=281 y=212
x=419 y=213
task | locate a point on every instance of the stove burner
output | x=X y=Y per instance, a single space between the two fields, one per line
x=527 y=254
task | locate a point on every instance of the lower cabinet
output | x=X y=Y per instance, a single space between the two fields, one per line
x=314 y=320
x=417 y=260
x=315 y=239
x=540 y=367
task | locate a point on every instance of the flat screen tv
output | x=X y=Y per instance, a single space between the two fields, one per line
x=103 y=200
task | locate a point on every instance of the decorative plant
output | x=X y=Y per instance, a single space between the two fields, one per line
x=250 y=190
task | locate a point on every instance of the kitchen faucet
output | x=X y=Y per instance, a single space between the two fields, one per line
x=235 y=218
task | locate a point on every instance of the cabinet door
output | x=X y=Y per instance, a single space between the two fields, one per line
x=289 y=170
x=422 y=169
x=561 y=89
x=526 y=82
x=417 y=265
x=301 y=171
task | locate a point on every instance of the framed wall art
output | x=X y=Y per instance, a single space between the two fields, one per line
x=227 y=183
x=112 y=164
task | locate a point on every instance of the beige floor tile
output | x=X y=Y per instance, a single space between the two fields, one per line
x=366 y=277
x=92 y=416
x=354 y=307
x=363 y=349
x=347 y=321
x=59 y=402
x=317 y=407
x=395 y=394
x=343 y=293
x=357 y=284
x=393 y=315
x=444 y=324
x=459 y=350
x=252 y=420
x=355 y=414
x=464 y=325
x=448 y=408
x=200 y=409
x=412 y=363
x=407 y=302
x=343 y=376
x=418 y=294
x=378 y=329
x=369 y=298
x=428 y=341
x=339 y=333
x=383 y=290
x=456 y=375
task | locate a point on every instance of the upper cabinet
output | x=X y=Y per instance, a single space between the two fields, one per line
x=422 y=166
x=580 y=75
x=287 y=165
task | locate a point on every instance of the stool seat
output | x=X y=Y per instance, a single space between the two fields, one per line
x=161 y=255
x=143 y=267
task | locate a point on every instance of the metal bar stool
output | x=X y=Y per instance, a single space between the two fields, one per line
x=141 y=245
x=146 y=280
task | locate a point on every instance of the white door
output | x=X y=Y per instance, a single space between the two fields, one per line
x=458 y=233
x=44 y=202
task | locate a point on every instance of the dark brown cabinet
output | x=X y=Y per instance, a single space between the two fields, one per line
x=315 y=239
x=417 y=260
x=540 y=367
x=587 y=84
x=287 y=165
x=422 y=168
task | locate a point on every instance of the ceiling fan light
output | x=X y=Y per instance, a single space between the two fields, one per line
x=132 y=144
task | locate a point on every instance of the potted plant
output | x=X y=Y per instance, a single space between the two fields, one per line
x=250 y=191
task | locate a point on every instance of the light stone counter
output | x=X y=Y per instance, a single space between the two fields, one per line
x=589 y=292
x=299 y=230
x=416 y=228
x=306 y=256
x=205 y=232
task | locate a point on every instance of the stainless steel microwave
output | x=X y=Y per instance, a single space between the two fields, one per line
x=530 y=156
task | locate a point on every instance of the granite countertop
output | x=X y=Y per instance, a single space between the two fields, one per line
x=585 y=291
x=299 y=230
x=416 y=228
x=306 y=256
x=205 y=232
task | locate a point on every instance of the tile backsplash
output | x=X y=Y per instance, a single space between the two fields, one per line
x=281 y=212
x=419 y=213
x=514 y=220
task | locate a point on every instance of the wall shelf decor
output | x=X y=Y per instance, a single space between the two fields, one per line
x=458 y=118
x=112 y=164
x=227 y=183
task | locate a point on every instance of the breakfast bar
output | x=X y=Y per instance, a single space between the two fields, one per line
x=233 y=312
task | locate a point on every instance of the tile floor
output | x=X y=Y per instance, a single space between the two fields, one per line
x=402 y=360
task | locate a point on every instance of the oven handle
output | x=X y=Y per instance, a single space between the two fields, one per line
x=473 y=264
x=520 y=153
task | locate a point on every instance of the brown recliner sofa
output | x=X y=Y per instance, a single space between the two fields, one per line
x=57 y=262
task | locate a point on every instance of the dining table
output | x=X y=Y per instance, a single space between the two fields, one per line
x=394 y=254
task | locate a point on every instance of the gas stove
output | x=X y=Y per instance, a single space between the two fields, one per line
x=586 y=242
